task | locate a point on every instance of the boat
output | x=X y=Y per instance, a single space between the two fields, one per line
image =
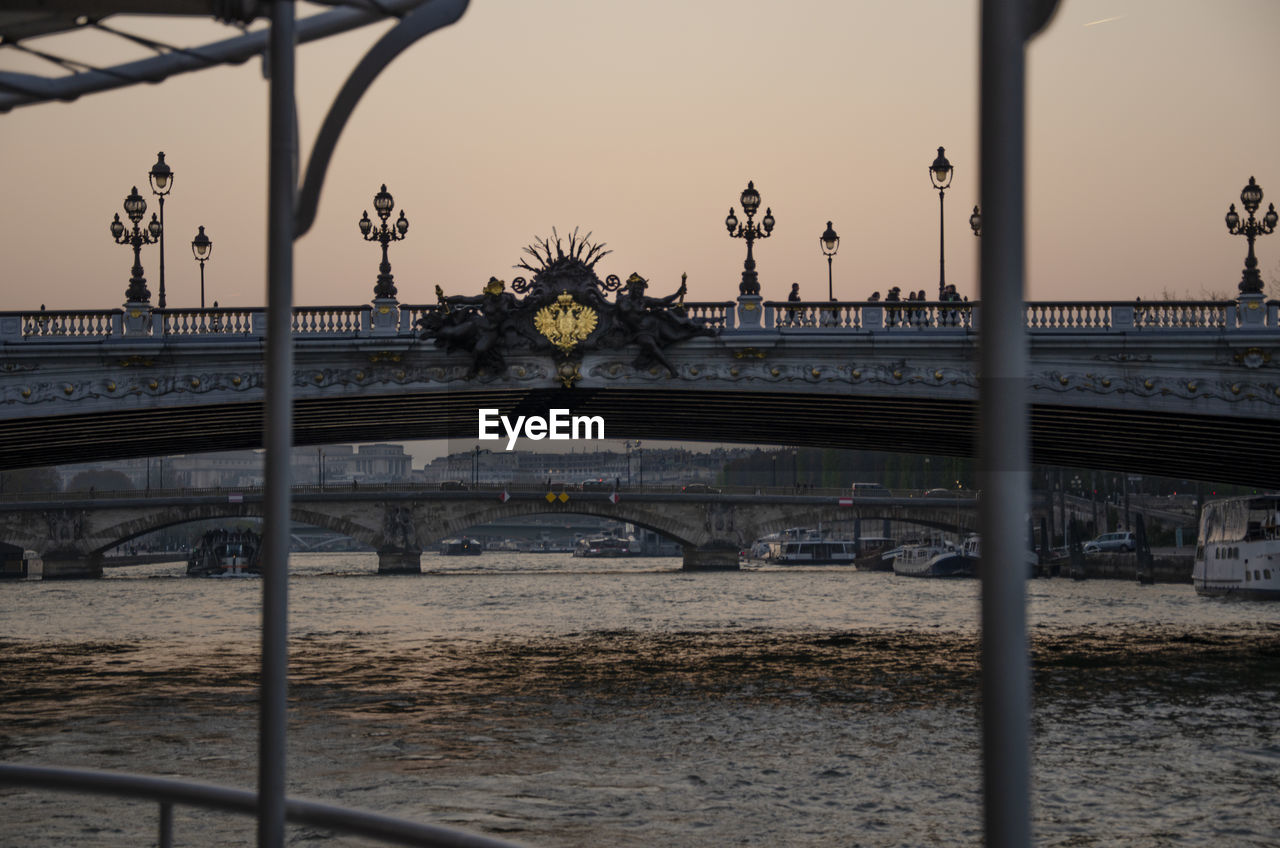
x=1238 y=550
x=604 y=546
x=461 y=546
x=934 y=558
x=817 y=552
x=226 y=553
x=872 y=553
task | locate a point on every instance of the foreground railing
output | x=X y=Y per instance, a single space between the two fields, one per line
x=167 y=793
x=401 y=320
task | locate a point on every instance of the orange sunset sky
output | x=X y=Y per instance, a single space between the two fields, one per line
x=642 y=122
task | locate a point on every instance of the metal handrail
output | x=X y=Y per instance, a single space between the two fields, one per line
x=167 y=792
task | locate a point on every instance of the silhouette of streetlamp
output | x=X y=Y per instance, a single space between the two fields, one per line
x=382 y=204
x=750 y=200
x=940 y=174
x=830 y=243
x=1251 y=199
x=975 y=221
x=161 y=176
x=135 y=206
x=201 y=249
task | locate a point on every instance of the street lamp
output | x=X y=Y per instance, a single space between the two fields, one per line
x=201 y=249
x=161 y=176
x=1251 y=198
x=750 y=200
x=135 y=206
x=830 y=243
x=382 y=203
x=975 y=221
x=940 y=174
x=629 y=445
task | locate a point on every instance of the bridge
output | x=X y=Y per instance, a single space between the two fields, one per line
x=1173 y=388
x=72 y=531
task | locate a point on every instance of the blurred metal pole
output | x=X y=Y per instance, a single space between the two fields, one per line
x=278 y=437
x=1004 y=455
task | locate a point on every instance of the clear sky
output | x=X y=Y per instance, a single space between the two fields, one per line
x=642 y=122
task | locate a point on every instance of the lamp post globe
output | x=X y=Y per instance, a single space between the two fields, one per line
x=830 y=243
x=161 y=177
x=201 y=249
x=1251 y=199
x=750 y=231
x=940 y=174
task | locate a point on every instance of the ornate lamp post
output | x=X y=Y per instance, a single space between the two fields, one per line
x=201 y=249
x=750 y=200
x=135 y=206
x=940 y=174
x=830 y=243
x=382 y=204
x=161 y=176
x=975 y=221
x=1251 y=199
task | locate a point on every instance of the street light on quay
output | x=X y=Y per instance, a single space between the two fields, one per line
x=940 y=174
x=750 y=201
x=201 y=249
x=629 y=445
x=830 y=243
x=161 y=176
x=135 y=206
x=382 y=204
x=975 y=221
x=1251 y=199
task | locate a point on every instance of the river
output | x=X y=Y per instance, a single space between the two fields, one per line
x=584 y=702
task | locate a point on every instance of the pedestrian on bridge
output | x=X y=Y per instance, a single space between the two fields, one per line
x=794 y=297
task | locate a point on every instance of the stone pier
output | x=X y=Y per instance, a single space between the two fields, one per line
x=398 y=561
x=71 y=565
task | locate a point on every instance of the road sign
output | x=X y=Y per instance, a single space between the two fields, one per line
x=613 y=497
x=845 y=501
x=504 y=497
x=235 y=498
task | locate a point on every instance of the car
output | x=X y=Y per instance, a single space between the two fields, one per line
x=943 y=493
x=1122 y=541
x=452 y=485
x=699 y=489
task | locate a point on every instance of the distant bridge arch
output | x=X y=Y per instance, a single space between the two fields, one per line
x=72 y=533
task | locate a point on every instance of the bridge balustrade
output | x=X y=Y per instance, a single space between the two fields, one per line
x=330 y=320
x=44 y=326
x=68 y=323
x=201 y=322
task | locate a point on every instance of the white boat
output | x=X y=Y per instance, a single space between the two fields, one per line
x=930 y=559
x=817 y=552
x=461 y=546
x=1238 y=552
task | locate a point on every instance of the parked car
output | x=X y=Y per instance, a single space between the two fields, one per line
x=1123 y=541
x=700 y=489
x=943 y=493
x=452 y=485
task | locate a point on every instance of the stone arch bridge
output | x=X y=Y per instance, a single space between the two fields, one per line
x=72 y=533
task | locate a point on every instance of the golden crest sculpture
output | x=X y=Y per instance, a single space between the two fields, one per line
x=565 y=323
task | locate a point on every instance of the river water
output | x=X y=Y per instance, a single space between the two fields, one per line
x=573 y=702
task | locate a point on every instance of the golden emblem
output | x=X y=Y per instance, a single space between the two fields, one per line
x=565 y=323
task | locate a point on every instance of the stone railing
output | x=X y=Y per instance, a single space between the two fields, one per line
x=138 y=322
x=63 y=324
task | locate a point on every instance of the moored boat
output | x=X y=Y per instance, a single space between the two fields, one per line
x=604 y=546
x=461 y=546
x=930 y=559
x=226 y=553
x=1238 y=550
x=817 y=552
